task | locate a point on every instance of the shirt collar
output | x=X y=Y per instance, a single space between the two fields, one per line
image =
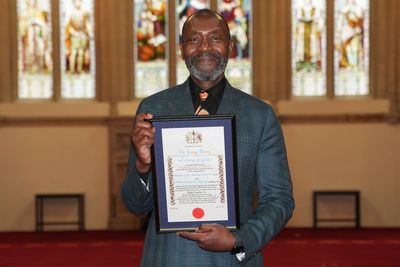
x=214 y=94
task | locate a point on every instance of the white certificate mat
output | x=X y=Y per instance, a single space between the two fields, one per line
x=195 y=173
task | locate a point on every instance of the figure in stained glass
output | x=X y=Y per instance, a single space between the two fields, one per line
x=308 y=37
x=237 y=14
x=351 y=47
x=186 y=8
x=34 y=33
x=77 y=40
x=151 y=37
x=237 y=19
x=150 y=46
x=351 y=31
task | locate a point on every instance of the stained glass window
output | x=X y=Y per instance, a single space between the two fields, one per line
x=351 y=47
x=78 y=67
x=308 y=48
x=184 y=9
x=237 y=13
x=150 y=31
x=35 y=63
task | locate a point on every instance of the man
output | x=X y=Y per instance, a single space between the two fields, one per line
x=261 y=158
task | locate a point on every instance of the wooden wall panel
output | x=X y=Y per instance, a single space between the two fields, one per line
x=396 y=96
x=8 y=50
x=271 y=52
x=120 y=217
x=383 y=39
x=55 y=10
x=5 y=85
x=114 y=41
x=385 y=51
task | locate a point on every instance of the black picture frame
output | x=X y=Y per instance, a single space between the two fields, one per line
x=166 y=223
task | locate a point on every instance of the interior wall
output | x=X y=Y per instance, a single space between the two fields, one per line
x=52 y=159
x=322 y=156
x=346 y=156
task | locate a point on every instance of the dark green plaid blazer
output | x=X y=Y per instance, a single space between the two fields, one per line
x=262 y=165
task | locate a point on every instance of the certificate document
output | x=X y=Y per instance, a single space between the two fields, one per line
x=194 y=167
x=195 y=173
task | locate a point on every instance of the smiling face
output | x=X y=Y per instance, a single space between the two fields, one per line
x=205 y=46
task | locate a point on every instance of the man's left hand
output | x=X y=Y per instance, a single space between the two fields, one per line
x=211 y=237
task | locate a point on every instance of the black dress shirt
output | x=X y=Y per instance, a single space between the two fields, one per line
x=214 y=95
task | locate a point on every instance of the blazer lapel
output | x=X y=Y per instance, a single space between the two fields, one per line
x=229 y=103
x=180 y=101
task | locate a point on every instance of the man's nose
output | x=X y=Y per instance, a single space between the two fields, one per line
x=205 y=44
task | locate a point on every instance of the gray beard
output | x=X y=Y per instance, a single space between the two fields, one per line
x=207 y=76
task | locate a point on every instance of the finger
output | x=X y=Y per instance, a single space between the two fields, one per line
x=144 y=143
x=141 y=125
x=141 y=121
x=191 y=235
x=143 y=135
x=143 y=117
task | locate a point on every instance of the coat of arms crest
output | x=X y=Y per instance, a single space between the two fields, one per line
x=193 y=137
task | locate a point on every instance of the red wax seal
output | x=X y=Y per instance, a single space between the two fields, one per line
x=198 y=213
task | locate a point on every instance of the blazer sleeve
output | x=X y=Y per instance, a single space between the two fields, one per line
x=274 y=188
x=135 y=196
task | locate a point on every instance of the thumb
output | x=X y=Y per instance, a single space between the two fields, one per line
x=205 y=228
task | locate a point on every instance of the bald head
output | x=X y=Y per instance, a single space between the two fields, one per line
x=207 y=14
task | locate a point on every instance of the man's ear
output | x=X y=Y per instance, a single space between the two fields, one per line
x=231 y=46
x=182 y=54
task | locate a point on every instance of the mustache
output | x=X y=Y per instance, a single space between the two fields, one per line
x=206 y=75
x=202 y=55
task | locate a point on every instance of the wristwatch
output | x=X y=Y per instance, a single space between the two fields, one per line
x=238 y=248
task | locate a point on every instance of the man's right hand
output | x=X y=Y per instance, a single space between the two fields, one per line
x=142 y=139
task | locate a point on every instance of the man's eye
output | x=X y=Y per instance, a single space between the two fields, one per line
x=216 y=38
x=194 y=40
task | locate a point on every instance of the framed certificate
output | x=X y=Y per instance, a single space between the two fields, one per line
x=194 y=170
